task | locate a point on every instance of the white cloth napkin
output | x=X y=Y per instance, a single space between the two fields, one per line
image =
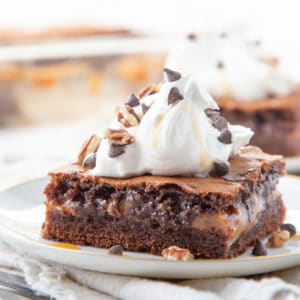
x=72 y=284
x=68 y=283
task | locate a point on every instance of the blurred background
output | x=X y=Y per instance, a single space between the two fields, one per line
x=65 y=65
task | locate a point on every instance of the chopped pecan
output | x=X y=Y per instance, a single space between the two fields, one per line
x=89 y=146
x=149 y=90
x=278 y=239
x=127 y=116
x=119 y=136
x=177 y=253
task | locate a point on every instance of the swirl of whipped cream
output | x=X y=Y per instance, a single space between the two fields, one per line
x=233 y=67
x=174 y=131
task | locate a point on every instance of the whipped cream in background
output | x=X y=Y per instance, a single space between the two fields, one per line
x=233 y=66
x=174 y=137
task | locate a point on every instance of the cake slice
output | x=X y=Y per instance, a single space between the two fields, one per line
x=212 y=217
x=170 y=171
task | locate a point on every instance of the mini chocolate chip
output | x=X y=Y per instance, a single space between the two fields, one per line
x=90 y=161
x=289 y=227
x=174 y=95
x=115 y=250
x=172 y=75
x=192 y=36
x=219 y=169
x=220 y=65
x=212 y=113
x=225 y=137
x=257 y=43
x=133 y=101
x=43 y=225
x=115 y=150
x=223 y=34
x=259 y=249
x=220 y=123
x=145 y=108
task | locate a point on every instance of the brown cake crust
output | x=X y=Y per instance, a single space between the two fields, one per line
x=275 y=121
x=212 y=217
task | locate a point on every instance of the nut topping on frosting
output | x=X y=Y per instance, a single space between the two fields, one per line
x=127 y=116
x=149 y=90
x=174 y=95
x=89 y=146
x=172 y=75
x=133 y=101
x=119 y=136
x=186 y=139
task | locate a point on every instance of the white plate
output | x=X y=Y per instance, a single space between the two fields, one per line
x=22 y=214
x=293 y=164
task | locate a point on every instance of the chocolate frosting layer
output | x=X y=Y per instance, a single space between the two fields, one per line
x=247 y=167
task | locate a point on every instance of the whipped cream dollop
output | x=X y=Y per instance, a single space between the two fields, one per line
x=171 y=129
x=232 y=66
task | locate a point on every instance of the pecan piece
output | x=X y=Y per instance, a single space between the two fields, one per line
x=89 y=146
x=127 y=116
x=278 y=239
x=177 y=254
x=149 y=90
x=119 y=136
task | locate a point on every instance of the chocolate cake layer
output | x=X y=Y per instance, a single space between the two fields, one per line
x=275 y=121
x=212 y=217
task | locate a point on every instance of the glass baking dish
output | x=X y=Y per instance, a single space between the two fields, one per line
x=75 y=79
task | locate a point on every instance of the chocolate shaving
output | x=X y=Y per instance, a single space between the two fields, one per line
x=174 y=95
x=259 y=249
x=219 y=169
x=133 y=101
x=115 y=150
x=172 y=75
x=145 y=108
x=90 y=161
x=225 y=137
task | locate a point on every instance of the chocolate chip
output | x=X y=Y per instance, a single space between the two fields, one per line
x=220 y=123
x=174 y=95
x=43 y=225
x=220 y=65
x=223 y=35
x=212 y=113
x=259 y=249
x=145 y=108
x=219 y=169
x=192 y=36
x=133 y=101
x=225 y=137
x=289 y=227
x=90 y=161
x=172 y=75
x=115 y=150
x=257 y=43
x=115 y=250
